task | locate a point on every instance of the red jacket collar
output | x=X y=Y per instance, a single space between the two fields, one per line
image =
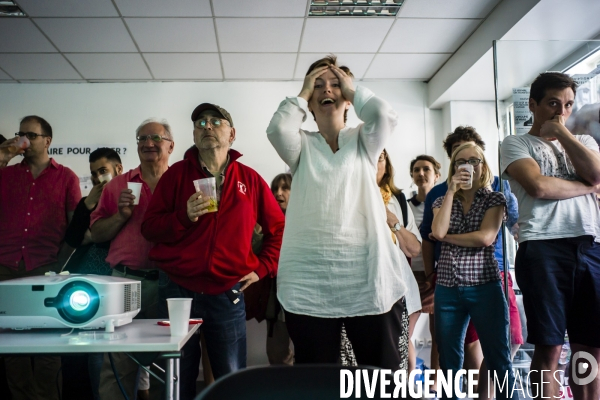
x=192 y=155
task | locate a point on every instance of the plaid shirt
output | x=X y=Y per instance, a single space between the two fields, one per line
x=468 y=266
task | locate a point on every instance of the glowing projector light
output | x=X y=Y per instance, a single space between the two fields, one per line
x=76 y=301
x=80 y=300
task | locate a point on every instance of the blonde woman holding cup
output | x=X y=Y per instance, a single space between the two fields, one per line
x=468 y=286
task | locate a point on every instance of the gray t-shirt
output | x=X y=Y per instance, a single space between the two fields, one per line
x=550 y=219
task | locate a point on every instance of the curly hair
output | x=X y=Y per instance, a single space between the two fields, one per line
x=462 y=134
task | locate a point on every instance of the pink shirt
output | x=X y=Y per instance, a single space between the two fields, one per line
x=129 y=246
x=34 y=213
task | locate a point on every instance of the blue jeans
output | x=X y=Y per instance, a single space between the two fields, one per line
x=224 y=330
x=486 y=306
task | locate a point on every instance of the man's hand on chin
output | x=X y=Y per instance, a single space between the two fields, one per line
x=554 y=128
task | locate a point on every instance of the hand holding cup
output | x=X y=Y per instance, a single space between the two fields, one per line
x=462 y=178
x=197 y=206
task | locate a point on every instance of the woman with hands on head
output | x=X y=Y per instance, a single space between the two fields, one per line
x=467 y=220
x=334 y=266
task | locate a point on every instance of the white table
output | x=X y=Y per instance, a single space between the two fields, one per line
x=143 y=335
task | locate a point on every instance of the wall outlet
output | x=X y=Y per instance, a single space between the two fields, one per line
x=419 y=342
x=428 y=342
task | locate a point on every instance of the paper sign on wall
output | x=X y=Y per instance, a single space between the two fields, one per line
x=83 y=149
x=523 y=117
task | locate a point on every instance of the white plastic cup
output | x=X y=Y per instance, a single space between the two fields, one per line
x=23 y=142
x=469 y=184
x=106 y=178
x=208 y=188
x=179 y=315
x=136 y=188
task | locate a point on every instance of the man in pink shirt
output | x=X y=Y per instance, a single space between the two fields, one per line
x=39 y=197
x=118 y=220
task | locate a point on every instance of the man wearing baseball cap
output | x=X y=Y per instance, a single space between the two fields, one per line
x=207 y=254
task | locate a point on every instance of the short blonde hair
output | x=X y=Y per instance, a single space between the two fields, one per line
x=486 y=174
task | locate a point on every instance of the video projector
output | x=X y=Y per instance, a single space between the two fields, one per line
x=74 y=301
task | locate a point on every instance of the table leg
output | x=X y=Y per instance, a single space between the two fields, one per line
x=172 y=379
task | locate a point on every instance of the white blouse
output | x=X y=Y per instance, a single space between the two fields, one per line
x=413 y=297
x=337 y=257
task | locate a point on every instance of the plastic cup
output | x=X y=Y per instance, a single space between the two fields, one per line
x=106 y=178
x=23 y=142
x=208 y=188
x=469 y=184
x=179 y=316
x=136 y=188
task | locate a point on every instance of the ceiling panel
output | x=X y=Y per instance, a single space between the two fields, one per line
x=547 y=22
x=260 y=8
x=446 y=9
x=162 y=8
x=348 y=35
x=259 y=34
x=4 y=77
x=174 y=66
x=110 y=66
x=425 y=35
x=87 y=35
x=37 y=66
x=258 y=66
x=177 y=35
x=406 y=66
x=358 y=63
x=21 y=35
x=68 y=8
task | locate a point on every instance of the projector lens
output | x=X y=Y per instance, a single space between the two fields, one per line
x=77 y=302
x=80 y=300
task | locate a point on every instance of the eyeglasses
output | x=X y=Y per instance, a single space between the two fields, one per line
x=30 y=135
x=154 y=138
x=215 y=122
x=471 y=161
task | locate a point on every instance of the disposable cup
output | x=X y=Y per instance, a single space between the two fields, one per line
x=469 y=184
x=136 y=188
x=179 y=315
x=23 y=142
x=208 y=187
x=106 y=177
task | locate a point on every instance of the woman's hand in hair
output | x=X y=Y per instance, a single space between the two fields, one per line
x=309 y=82
x=346 y=84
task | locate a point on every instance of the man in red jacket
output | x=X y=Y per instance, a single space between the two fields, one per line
x=208 y=255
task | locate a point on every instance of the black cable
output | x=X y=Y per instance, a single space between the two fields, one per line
x=112 y=364
x=56 y=380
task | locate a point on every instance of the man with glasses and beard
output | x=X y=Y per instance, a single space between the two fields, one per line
x=118 y=220
x=39 y=197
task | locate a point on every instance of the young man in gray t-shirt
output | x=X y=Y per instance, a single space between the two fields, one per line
x=555 y=176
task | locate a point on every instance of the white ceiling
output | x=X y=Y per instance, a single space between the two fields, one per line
x=533 y=36
x=158 y=40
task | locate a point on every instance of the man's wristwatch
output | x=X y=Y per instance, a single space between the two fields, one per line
x=396 y=227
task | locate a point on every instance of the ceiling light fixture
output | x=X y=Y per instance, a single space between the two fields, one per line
x=10 y=9
x=354 y=8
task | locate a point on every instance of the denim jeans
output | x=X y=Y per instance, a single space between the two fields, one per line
x=486 y=306
x=224 y=330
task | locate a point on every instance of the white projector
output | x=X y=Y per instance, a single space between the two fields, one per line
x=74 y=301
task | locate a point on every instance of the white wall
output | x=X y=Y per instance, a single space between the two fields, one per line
x=109 y=113
x=479 y=114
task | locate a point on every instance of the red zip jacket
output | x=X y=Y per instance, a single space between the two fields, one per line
x=212 y=254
